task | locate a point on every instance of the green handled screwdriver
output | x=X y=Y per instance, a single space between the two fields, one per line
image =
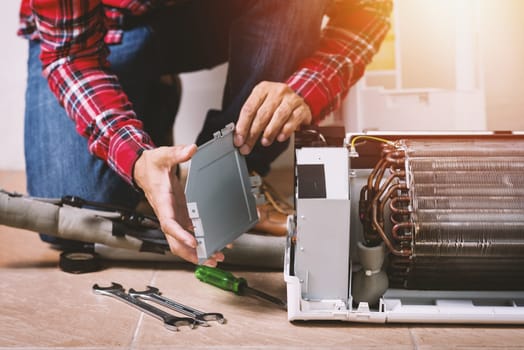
x=238 y=285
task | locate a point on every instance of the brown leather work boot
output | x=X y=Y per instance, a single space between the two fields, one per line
x=270 y=220
x=273 y=213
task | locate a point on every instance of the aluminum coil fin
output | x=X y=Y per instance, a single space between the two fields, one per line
x=466 y=222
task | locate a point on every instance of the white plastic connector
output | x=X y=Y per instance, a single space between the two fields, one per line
x=353 y=152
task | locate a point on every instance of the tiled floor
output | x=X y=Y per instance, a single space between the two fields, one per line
x=42 y=308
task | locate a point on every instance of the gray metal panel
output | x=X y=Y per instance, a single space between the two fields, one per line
x=322 y=248
x=218 y=193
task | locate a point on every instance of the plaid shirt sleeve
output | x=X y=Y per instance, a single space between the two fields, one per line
x=74 y=58
x=349 y=41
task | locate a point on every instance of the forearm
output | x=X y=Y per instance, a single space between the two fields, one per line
x=349 y=42
x=74 y=62
x=102 y=113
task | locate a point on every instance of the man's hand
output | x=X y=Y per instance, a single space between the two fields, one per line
x=154 y=173
x=274 y=111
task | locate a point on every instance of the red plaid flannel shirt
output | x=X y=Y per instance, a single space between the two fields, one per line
x=74 y=34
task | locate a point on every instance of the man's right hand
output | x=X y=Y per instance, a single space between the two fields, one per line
x=154 y=173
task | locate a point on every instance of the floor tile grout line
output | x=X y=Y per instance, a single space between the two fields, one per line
x=153 y=278
x=137 y=330
x=141 y=318
x=413 y=339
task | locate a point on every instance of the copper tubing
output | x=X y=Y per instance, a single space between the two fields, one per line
x=382 y=234
x=392 y=159
x=386 y=184
x=461 y=222
x=394 y=220
x=363 y=192
x=402 y=225
x=386 y=149
x=378 y=196
x=400 y=211
x=389 y=193
x=367 y=193
x=378 y=171
x=380 y=175
x=378 y=226
x=373 y=184
x=396 y=157
x=396 y=187
x=371 y=176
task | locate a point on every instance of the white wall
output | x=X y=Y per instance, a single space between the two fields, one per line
x=502 y=33
x=12 y=88
x=428 y=39
x=200 y=92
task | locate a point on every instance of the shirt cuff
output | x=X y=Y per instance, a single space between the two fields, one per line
x=125 y=148
x=308 y=85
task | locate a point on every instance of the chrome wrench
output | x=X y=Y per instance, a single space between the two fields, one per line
x=170 y=322
x=153 y=294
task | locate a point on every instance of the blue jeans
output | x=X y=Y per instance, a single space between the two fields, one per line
x=261 y=40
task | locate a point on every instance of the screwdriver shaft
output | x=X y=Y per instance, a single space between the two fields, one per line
x=259 y=294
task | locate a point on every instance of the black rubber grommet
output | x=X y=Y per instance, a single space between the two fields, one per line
x=79 y=262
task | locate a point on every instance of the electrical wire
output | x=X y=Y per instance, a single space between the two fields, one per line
x=353 y=151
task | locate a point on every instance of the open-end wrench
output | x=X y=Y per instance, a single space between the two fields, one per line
x=171 y=322
x=153 y=294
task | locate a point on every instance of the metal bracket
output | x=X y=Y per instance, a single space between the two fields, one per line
x=219 y=194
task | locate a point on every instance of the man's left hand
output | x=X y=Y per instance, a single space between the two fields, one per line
x=273 y=111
